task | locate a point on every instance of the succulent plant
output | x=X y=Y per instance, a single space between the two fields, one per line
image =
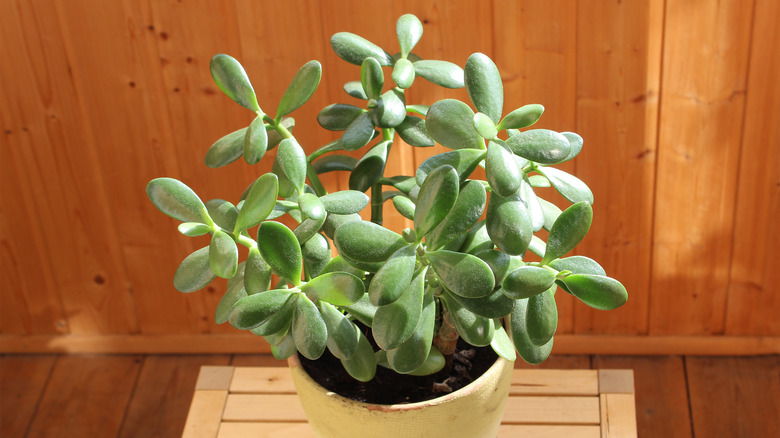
x=462 y=271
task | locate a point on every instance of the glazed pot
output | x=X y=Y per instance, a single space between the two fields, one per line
x=474 y=411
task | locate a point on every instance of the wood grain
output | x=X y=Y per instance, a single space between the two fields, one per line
x=753 y=301
x=660 y=389
x=23 y=380
x=734 y=396
x=86 y=396
x=706 y=48
x=163 y=394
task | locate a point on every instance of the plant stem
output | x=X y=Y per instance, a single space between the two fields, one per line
x=447 y=338
x=376 y=189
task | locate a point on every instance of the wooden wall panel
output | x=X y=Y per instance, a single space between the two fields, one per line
x=706 y=47
x=618 y=72
x=535 y=46
x=97 y=98
x=753 y=299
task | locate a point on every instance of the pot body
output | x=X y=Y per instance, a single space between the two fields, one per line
x=474 y=411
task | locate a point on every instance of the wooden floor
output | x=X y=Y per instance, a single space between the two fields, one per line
x=149 y=396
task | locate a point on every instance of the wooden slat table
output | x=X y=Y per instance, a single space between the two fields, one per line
x=232 y=402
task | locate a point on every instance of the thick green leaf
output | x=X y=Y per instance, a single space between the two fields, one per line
x=354 y=49
x=541 y=319
x=316 y=255
x=345 y=202
x=540 y=145
x=255 y=141
x=413 y=131
x=463 y=160
x=338 y=116
x=372 y=78
x=308 y=228
x=194 y=229
x=495 y=305
x=393 y=278
x=530 y=353
x=281 y=250
x=362 y=364
x=235 y=291
x=223 y=213
x=301 y=88
x=484 y=126
x=362 y=310
x=367 y=245
x=537 y=180
x=442 y=73
x=390 y=109
x=395 y=322
x=413 y=353
x=484 y=85
x=575 y=143
x=258 y=204
x=291 y=160
x=337 y=288
x=578 y=265
x=178 y=201
x=501 y=170
x=532 y=204
x=194 y=272
x=451 y=123
x=253 y=310
x=568 y=230
x=464 y=214
x=527 y=281
x=434 y=363
x=334 y=221
x=597 y=291
x=405 y=206
x=462 y=274
x=418 y=109
x=308 y=329
x=257 y=273
x=474 y=329
x=438 y=195
x=501 y=343
x=332 y=163
x=537 y=246
x=508 y=223
x=343 y=337
x=477 y=239
x=501 y=263
x=285 y=348
x=370 y=167
x=311 y=206
x=355 y=89
x=409 y=30
x=358 y=133
x=227 y=149
x=223 y=254
x=522 y=117
x=280 y=321
x=403 y=73
x=550 y=212
x=571 y=187
x=231 y=78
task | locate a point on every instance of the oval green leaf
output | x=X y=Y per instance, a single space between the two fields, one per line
x=393 y=278
x=258 y=204
x=234 y=292
x=301 y=88
x=571 y=187
x=291 y=160
x=343 y=337
x=463 y=160
x=333 y=163
x=316 y=255
x=438 y=195
x=354 y=49
x=501 y=343
x=527 y=281
x=474 y=329
x=370 y=167
x=358 y=133
x=255 y=141
x=194 y=229
x=405 y=206
x=372 y=78
x=227 y=149
x=390 y=110
x=345 y=202
x=464 y=214
x=409 y=30
x=462 y=274
x=337 y=288
x=530 y=353
x=597 y=291
x=442 y=73
x=311 y=206
x=403 y=73
x=541 y=319
x=508 y=223
x=367 y=244
x=338 y=116
x=257 y=273
x=522 y=117
x=308 y=329
x=413 y=131
x=231 y=78
x=484 y=126
x=253 y=310
x=178 y=201
x=451 y=123
x=362 y=364
x=484 y=85
x=568 y=230
x=501 y=170
x=281 y=250
x=540 y=146
x=223 y=254
x=413 y=353
x=194 y=272
x=395 y=323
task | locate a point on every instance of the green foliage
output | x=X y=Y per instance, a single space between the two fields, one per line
x=464 y=263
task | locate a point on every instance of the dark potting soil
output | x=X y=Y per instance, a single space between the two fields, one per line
x=389 y=387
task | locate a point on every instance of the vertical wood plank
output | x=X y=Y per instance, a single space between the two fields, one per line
x=23 y=380
x=706 y=47
x=734 y=396
x=660 y=389
x=163 y=394
x=60 y=198
x=86 y=396
x=618 y=416
x=618 y=79
x=536 y=49
x=206 y=413
x=753 y=301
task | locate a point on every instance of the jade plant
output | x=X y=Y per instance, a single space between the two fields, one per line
x=401 y=301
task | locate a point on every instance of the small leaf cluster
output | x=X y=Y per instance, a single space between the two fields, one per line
x=464 y=262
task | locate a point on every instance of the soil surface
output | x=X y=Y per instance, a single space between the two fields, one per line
x=389 y=387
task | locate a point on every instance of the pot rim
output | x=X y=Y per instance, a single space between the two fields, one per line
x=496 y=368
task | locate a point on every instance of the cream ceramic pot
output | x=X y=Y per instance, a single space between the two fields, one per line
x=473 y=411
